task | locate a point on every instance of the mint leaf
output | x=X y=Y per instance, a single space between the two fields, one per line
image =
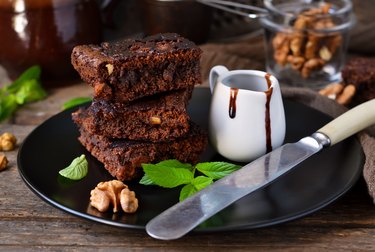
x=26 y=88
x=170 y=163
x=8 y=104
x=187 y=191
x=217 y=170
x=196 y=185
x=201 y=182
x=75 y=102
x=145 y=180
x=77 y=170
x=30 y=91
x=174 y=163
x=32 y=73
x=166 y=176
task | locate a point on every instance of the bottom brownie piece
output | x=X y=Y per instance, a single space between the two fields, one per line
x=123 y=158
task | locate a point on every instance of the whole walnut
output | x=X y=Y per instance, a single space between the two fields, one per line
x=114 y=193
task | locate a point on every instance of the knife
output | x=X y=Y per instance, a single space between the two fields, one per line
x=181 y=218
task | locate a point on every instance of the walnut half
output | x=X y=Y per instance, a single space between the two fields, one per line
x=129 y=203
x=113 y=193
x=3 y=162
x=7 y=142
x=343 y=94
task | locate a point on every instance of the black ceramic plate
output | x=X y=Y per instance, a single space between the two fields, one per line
x=310 y=186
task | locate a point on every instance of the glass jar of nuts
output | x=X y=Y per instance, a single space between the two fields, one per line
x=306 y=41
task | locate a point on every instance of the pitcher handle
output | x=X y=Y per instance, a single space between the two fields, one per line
x=215 y=72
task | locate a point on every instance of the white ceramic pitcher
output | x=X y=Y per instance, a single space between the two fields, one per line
x=247 y=116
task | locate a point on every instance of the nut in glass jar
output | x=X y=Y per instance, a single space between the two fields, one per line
x=306 y=41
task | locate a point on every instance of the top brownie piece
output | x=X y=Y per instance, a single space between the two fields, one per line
x=130 y=69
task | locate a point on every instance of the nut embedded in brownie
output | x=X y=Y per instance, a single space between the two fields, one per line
x=155 y=118
x=130 y=69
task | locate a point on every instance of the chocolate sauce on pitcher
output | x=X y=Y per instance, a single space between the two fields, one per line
x=232 y=102
x=268 y=116
x=268 y=92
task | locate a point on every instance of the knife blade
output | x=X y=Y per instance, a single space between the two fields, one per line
x=181 y=218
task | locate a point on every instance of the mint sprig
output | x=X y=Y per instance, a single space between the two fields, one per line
x=77 y=170
x=27 y=88
x=75 y=102
x=172 y=173
x=166 y=177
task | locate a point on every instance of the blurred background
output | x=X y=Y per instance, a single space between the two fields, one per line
x=45 y=31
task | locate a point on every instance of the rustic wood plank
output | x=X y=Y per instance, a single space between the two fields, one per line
x=83 y=234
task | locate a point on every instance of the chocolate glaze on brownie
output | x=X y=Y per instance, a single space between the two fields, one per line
x=123 y=158
x=155 y=118
x=361 y=73
x=130 y=69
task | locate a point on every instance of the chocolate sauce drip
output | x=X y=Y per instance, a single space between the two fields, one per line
x=268 y=92
x=269 y=83
x=268 y=117
x=232 y=102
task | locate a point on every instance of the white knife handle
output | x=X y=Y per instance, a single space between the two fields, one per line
x=349 y=123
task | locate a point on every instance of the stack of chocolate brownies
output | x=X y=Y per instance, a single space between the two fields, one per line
x=139 y=111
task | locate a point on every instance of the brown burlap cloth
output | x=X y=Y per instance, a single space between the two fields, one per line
x=248 y=53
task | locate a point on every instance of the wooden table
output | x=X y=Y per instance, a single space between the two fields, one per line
x=29 y=224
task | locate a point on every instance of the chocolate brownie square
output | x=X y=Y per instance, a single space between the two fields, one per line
x=129 y=69
x=123 y=158
x=155 y=118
